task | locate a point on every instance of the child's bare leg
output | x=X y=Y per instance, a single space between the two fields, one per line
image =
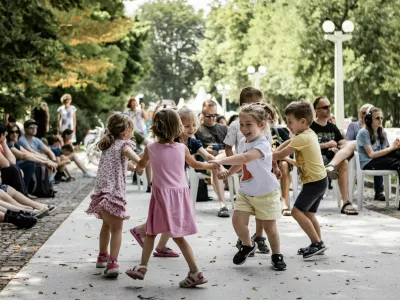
x=306 y=224
x=68 y=173
x=115 y=225
x=187 y=253
x=312 y=217
x=104 y=238
x=273 y=235
x=240 y=220
x=148 y=173
x=73 y=157
x=259 y=227
x=147 y=249
x=285 y=183
x=163 y=240
x=12 y=207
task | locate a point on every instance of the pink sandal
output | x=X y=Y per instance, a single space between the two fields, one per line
x=138 y=273
x=165 y=252
x=138 y=234
x=193 y=280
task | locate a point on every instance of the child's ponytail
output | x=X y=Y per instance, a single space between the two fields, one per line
x=117 y=123
x=106 y=141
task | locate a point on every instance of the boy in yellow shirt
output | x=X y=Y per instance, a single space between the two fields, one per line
x=312 y=173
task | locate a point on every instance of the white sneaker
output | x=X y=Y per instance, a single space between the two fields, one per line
x=89 y=175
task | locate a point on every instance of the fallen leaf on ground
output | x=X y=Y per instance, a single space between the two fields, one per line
x=41 y=292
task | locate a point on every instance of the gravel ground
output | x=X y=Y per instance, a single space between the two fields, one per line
x=18 y=246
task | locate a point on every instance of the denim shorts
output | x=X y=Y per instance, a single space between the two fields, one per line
x=311 y=195
x=3 y=187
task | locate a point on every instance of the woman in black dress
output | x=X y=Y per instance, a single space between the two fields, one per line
x=41 y=115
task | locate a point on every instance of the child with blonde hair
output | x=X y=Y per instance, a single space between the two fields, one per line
x=171 y=208
x=259 y=188
x=108 y=200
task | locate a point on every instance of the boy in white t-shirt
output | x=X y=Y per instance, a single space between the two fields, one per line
x=259 y=188
x=247 y=96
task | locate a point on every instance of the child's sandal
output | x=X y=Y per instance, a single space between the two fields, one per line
x=138 y=273
x=192 y=280
x=165 y=252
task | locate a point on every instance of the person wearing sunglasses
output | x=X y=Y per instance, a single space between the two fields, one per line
x=212 y=134
x=351 y=135
x=335 y=150
x=373 y=147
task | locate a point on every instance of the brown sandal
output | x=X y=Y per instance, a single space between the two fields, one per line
x=286 y=212
x=192 y=280
x=138 y=273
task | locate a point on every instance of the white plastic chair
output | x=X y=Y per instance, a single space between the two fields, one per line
x=142 y=179
x=294 y=178
x=194 y=178
x=233 y=185
x=360 y=182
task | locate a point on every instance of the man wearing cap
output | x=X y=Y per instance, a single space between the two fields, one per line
x=31 y=143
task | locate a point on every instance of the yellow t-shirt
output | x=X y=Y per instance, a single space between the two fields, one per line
x=308 y=156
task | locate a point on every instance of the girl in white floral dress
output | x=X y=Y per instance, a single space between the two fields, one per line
x=108 y=200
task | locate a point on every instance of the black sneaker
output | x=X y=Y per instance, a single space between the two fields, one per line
x=261 y=244
x=379 y=197
x=19 y=220
x=302 y=250
x=277 y=262
x=243 y=253
x=314 y=249
x=223 y=212
x=239 y=245
x=148 y=189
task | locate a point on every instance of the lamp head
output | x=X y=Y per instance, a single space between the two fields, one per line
x=227 y=87
x=251 y=70
x=262 y=69
x=220 y=87
x=328 y=26
x=348 y=26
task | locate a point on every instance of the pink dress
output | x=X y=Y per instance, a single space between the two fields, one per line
x=171 y=208
x=109 y=190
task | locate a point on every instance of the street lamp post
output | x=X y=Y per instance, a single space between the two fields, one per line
x=256 y=76
x=338 y=37
x=223 y=90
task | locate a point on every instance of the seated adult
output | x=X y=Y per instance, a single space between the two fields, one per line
x=373 y=146
x=25 y=159
x=33 y=144
x=212 y=134
x=335 y=160
x=351 y=135
x=10 y=172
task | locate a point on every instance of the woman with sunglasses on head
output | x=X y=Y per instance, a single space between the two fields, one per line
x=373 y=147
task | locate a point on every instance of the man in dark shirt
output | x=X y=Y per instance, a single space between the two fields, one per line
x=335 y=160
x=212 y=134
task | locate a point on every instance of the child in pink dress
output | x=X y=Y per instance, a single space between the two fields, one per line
x=108 y=200
x=171 y=208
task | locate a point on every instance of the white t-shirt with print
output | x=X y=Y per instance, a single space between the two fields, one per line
x=258 y=178
x=234 y=135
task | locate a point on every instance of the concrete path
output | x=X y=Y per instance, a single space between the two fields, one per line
x=362 y=261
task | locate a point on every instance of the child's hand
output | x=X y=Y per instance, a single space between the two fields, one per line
x=131 y=166
x=139 y=171
x=214 y=166
x=278 y=173
x=223 y=174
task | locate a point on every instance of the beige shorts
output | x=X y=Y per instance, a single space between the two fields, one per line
x=264 y=207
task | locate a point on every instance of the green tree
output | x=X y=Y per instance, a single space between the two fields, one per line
x=175 y=31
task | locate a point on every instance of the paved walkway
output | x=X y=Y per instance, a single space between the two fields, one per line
x=362 y=261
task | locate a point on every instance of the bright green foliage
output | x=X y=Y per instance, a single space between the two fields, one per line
x=172 y=43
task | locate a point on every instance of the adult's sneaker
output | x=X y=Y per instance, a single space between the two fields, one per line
x=314 y=249
x=379 y=197
x=243 y=253
x=19 y=220
x=277 y=262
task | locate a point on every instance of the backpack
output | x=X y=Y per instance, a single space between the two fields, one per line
x=40 y=184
